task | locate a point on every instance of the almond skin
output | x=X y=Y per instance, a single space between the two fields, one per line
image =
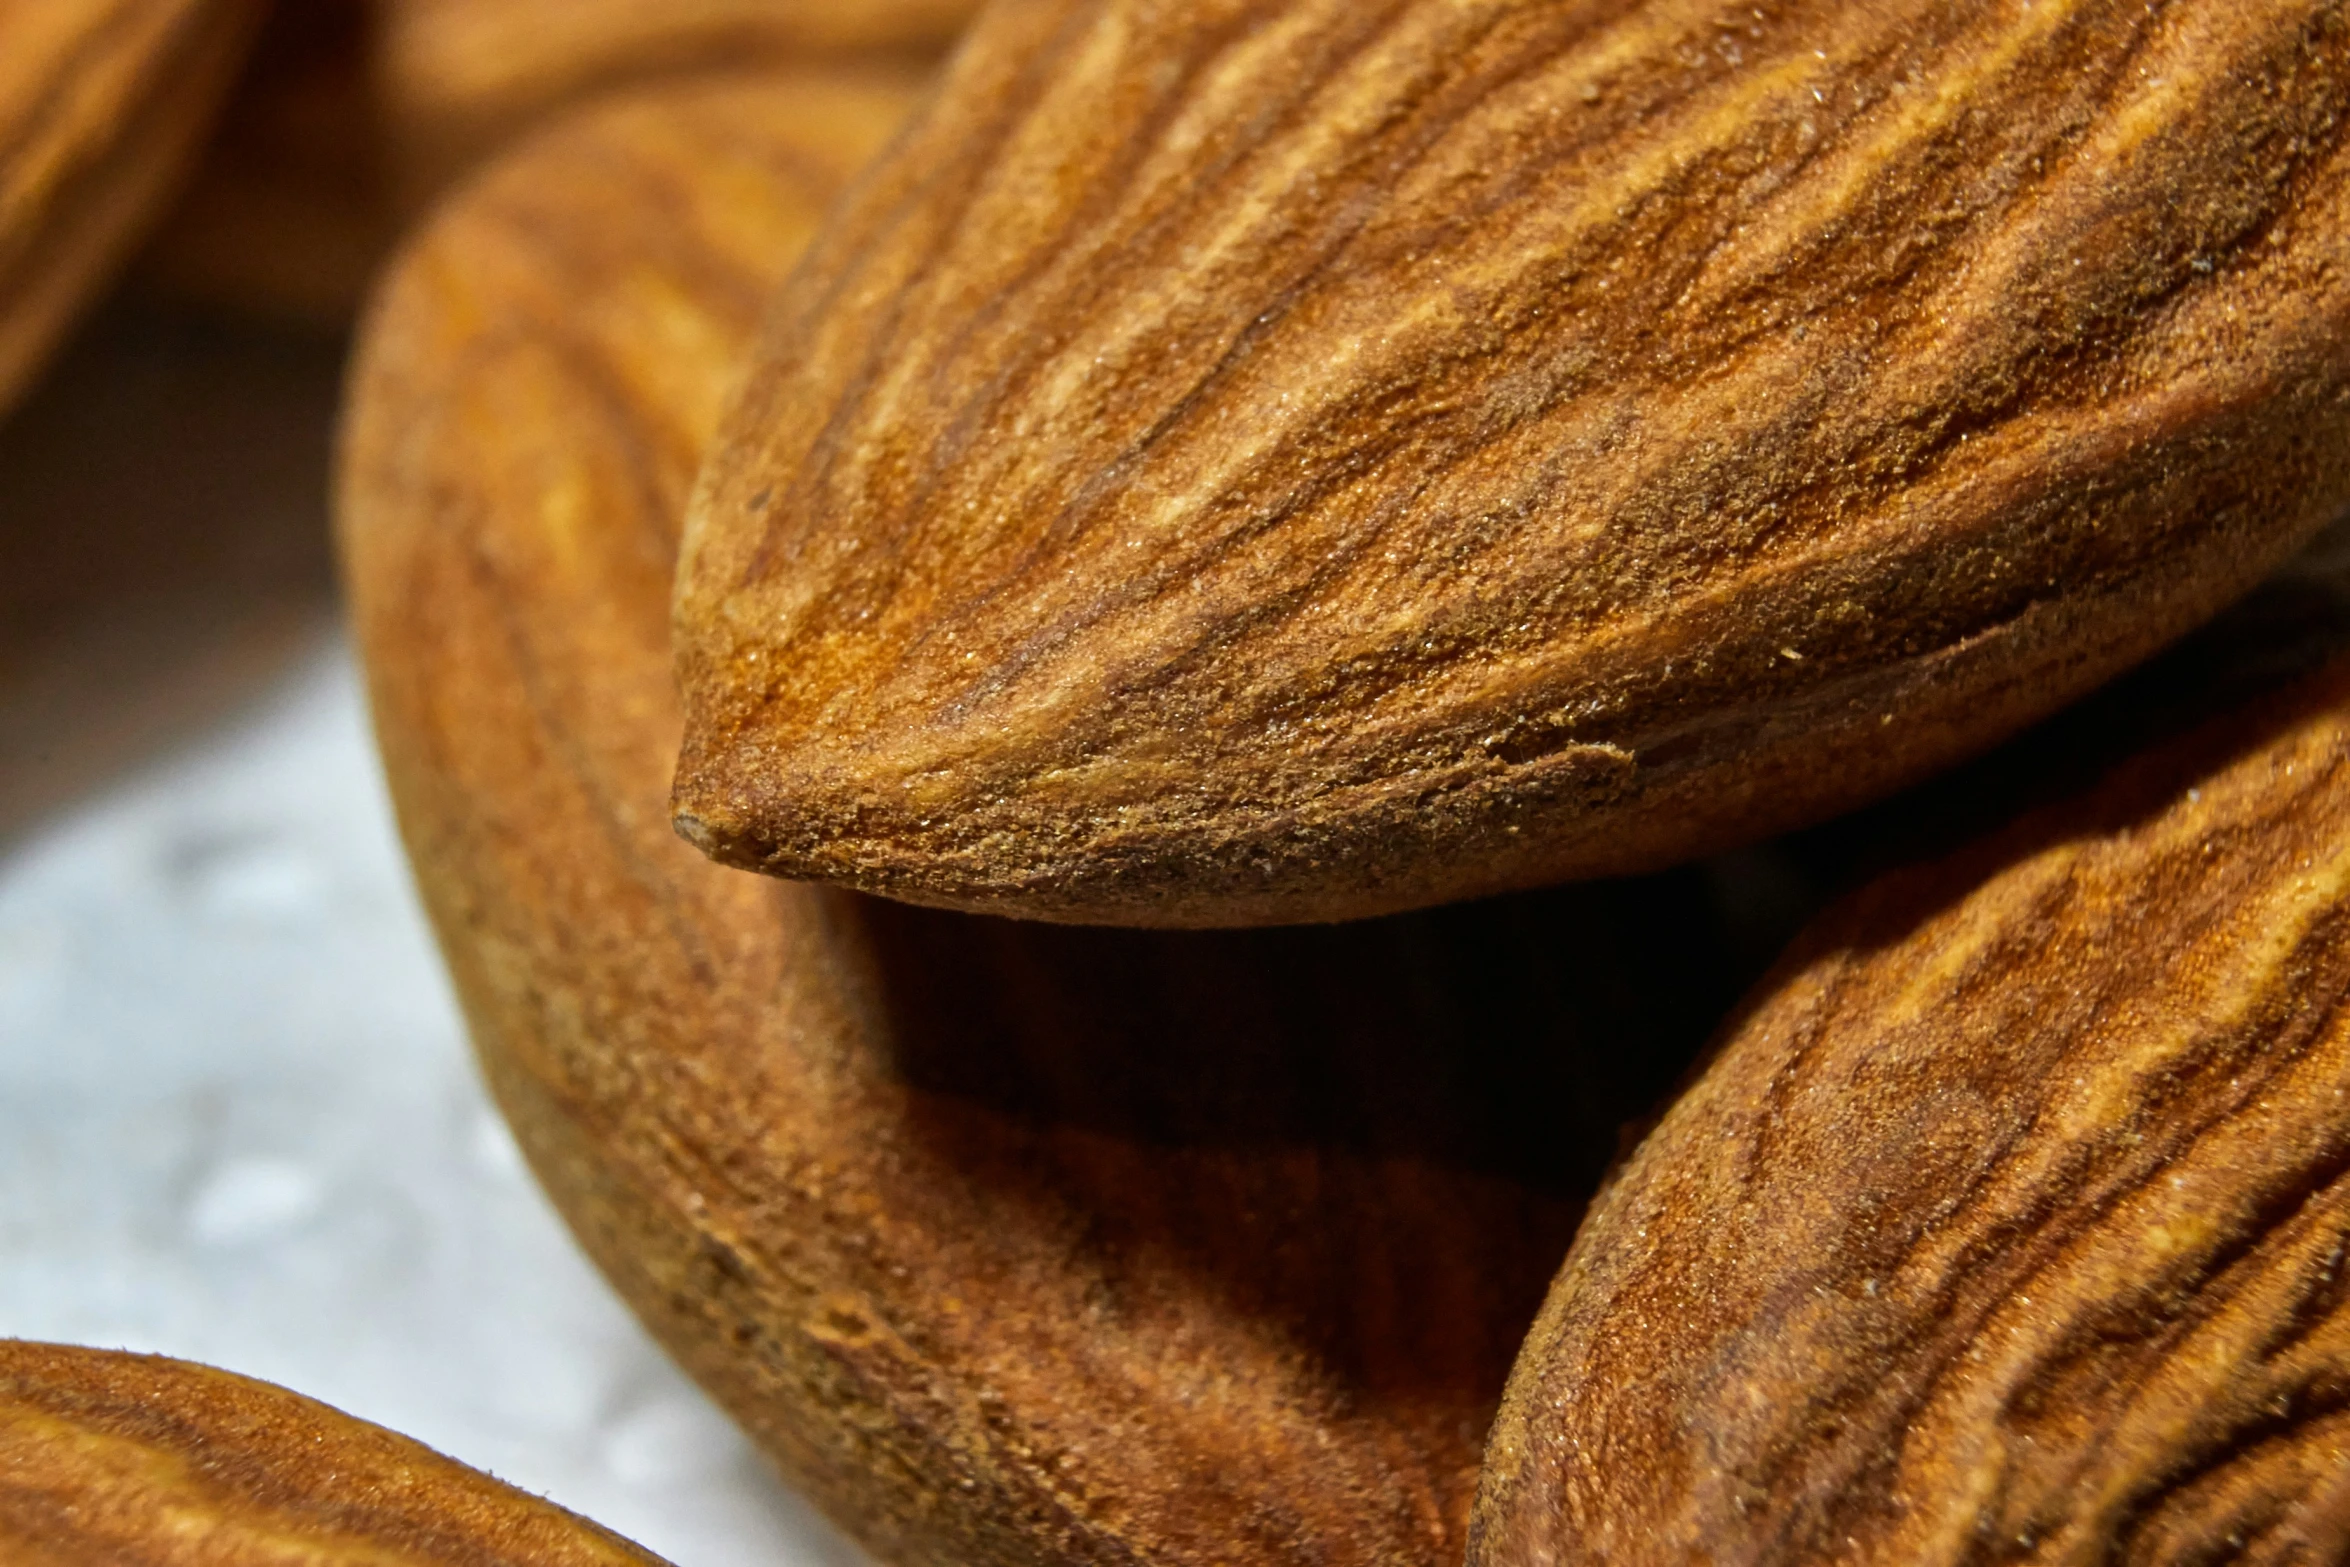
x=1011 y=1244
x=102 y=105
x=116 y=1460
x=1276 y=460
x=2009 y=1222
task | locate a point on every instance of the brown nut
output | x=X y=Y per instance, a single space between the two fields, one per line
x=102 y=103
x=2009 y=1222
x=1012 y=1244
x=1278 y=460
x=459 y=78
x=115 y=1460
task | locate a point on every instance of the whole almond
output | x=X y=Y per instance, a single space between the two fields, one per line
x=1011 y=1244
x=1275 y=460
x=2009 y=1222
x=116 y=1460
x=102 y=103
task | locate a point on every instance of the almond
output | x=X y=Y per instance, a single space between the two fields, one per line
x=458 y=78
x=1276 y=460
x=2009 y=1222
x=102 y=103
x=115 y=1460
x=1011 y=1244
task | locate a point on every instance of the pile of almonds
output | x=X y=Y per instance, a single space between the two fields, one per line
x=1264 y=474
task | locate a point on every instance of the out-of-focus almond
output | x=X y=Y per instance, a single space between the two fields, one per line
x=102 y=103
x=2010 y=1221
x=115 y=1460
x=456 y=79
x=1292 y=459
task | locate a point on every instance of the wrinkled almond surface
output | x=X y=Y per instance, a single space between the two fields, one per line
x=1012 y=1244
x=102 y=103
x=115 y=1460
x=1267 y=460
x=2010 y=1222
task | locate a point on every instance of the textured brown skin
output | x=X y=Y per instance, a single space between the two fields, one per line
x=102 y=104
x=2009 y=1223
x=118 y=1460
x=1272 y=460
x=457 y=79
x=1012 y=1244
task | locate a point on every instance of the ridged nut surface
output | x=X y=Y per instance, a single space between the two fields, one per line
x=2009 y=1223
x=1269 y=460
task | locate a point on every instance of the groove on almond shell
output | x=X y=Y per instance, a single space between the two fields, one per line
x=1263 y=461
x=2011 y=1218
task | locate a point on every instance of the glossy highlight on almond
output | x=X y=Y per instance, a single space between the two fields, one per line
x=1276 y=460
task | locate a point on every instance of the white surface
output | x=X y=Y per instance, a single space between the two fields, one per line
x=238 y=1124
